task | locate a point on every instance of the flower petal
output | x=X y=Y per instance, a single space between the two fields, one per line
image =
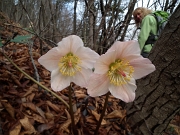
x=132 y=48
x=88 y=57
x=116 y=45
x=58 y=81
x=125 y=48
x=50 y=59
x=132 y=57
x=81 y=78
x=125 y=92
x=102 y=64
x=70 y=44
x=142 y=67
x=98 y=85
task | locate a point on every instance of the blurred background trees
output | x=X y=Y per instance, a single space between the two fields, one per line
x=98 y=22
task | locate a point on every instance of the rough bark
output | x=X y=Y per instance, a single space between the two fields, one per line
x=158 y=94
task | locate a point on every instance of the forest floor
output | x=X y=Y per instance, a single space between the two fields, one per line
x=26 y=108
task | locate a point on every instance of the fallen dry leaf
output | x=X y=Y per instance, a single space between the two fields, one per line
x=28 y=127
x=16 y=130
x=90 y=119
x=16 y=80
x=8 y=107
x=67 y=114
x=38 y=118
x=29 y=91
x=66 y=124
x=30 y=97
x=40 y=111
x=97 y=116
x=43 y=127
x=108 y=128
x=30 y=106
x=116 y=114
x=53 y=106
x=80 y=95
x=49 y=116
x=116 y=126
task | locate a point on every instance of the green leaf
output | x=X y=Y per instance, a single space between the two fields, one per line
x=21 y=39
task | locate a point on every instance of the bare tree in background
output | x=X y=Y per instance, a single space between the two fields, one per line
x=51 y=19
x=91 y=18
x=75 y=16
x=106 y=22
x=102 y=23
x=128 y=18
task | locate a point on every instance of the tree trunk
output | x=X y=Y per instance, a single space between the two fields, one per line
x=91 y=23
x=158 y=94
x=75 y=17
x=128 y=18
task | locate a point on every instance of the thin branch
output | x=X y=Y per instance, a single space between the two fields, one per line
x=102 y=114
x=32 y=60
x=28 y=17
x=71 y=110
x=31 y=33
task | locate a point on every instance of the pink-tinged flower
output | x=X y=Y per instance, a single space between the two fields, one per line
x=69 y=62
x=117 y=70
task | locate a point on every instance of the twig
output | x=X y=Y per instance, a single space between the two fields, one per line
x=102 y=114
x=30 y=21
x=32 y=60
x=31 y=33
x=71 y=111
x=8 y=40
x=32 y=79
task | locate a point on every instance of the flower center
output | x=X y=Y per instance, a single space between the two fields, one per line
x=69 y=64
x=120 y=72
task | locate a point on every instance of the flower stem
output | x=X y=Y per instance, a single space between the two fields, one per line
x=71 y=110
x=32 y=79
x=102 y=114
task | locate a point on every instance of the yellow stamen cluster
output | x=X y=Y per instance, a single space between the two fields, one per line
x=69 y=65
x=120 y=72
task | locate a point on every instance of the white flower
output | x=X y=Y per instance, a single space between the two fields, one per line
x=69 y=62
x=117 y=69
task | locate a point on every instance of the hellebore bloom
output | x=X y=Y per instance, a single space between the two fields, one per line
x=69 y=62
x=117 y=70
